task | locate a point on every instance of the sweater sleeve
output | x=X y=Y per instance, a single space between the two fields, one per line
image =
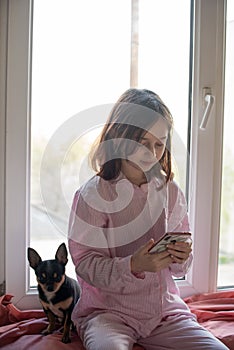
x=100 y=270
x=89 y=249
x=179 y=270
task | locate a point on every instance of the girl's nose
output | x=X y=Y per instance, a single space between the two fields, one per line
x=153 y=151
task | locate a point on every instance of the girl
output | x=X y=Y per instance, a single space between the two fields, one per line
x=128 y=293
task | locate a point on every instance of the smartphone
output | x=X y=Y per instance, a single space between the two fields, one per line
x=170 y=237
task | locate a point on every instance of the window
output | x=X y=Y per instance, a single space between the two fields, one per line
x=206 y=145
x=208 y=44
x=75 y=80
x=72 y=75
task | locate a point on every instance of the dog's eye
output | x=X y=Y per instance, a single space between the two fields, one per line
x=41 y=279
x=43 y=274
x=56 y=277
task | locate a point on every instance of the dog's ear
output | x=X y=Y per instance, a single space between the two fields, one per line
x=33 y=258
x=61 y=254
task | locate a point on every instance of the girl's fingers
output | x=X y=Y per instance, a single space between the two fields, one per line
x=180 y=247
x=163 y=254
x=176 y=254
x=180 y=252
x=146 y=247
x=177 y=260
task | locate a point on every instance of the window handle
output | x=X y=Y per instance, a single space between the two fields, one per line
x=209 y=99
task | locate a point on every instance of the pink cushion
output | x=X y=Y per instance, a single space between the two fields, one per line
x=49 y=342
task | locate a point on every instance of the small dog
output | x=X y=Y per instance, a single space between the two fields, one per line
x=58 y=293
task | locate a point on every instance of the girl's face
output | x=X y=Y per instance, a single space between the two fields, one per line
x=150 y=150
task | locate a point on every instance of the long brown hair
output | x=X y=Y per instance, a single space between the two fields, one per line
x=135 y=111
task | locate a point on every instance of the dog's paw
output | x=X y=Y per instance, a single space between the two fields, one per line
x=66 y=339
x=47 y=331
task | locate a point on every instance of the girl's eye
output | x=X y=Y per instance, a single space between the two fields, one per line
x=144 y=143
x=159 y=145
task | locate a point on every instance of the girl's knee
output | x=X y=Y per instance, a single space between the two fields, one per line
x=105 y=332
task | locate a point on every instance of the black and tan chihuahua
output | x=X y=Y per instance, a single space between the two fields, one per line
x=58 y=293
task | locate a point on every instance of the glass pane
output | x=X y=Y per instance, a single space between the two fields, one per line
x=164 y=39
x=76 y=65
x=81 y=64
x=226 y=250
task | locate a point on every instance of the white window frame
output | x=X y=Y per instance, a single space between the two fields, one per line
x=18 y=150
x=206 y=149
x=3 y=46
x=206 y=146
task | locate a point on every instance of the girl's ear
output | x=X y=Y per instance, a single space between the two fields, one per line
x=33 y=258
x=61 y=254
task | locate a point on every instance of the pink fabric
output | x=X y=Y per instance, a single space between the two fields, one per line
x=20 y=330
x=103 y=268
x=215 y=311
x=15 y=323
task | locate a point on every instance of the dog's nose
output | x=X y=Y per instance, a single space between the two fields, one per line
x=50 y=287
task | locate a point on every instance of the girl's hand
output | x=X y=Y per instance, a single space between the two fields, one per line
x=179 y=251
x=143 y=261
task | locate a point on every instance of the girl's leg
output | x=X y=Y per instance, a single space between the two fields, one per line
x=180 y=333
x=107 y=331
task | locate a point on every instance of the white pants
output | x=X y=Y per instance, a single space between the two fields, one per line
x=107 y=331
